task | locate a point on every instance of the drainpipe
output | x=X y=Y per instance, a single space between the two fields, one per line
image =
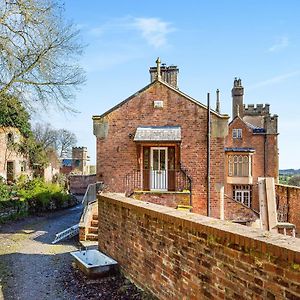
x=265 y=154
x=208 y=155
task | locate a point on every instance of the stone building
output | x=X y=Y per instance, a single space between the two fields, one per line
x=80 y=160
x=251 y=148
x=12 y=163
x=78 y=164
x=153 y=146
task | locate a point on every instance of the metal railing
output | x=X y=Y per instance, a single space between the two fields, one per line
x=89 y=197
x=165 y=180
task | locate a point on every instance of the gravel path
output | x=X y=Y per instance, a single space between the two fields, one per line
x=32 y=268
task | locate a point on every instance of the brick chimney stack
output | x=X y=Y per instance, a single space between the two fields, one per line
x=168 y=74
x=237 y=98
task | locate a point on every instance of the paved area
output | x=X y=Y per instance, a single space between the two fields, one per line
x=31 y=268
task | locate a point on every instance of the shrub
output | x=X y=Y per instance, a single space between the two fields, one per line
x=42 y=196
x=5 y=193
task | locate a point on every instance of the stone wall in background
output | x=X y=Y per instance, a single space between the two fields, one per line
x=79 y=183
x=288 y=202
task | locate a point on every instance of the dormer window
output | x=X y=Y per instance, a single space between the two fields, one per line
x=237 y=133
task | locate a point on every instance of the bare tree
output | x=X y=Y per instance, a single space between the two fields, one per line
x=39 y=53
x=45 y=135
x=65 y=141
x=61 y=140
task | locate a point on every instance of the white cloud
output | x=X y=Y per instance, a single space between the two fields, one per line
x=280 y=44
x=274 y=80
x=153 y=30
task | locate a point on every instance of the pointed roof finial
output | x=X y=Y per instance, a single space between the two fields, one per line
x=158 y=68
x=218 y=101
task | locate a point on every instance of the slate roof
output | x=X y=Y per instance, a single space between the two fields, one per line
x=158 y=133
x=254 y=128
x=239 y=149
x=67 y=162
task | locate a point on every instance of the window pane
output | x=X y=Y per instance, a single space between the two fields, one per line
x=162 y=159
x=155 y=159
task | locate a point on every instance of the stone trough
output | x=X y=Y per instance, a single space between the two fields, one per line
x=94 y=263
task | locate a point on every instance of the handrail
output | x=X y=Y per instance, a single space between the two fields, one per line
x=133 y=180
x=90 y=197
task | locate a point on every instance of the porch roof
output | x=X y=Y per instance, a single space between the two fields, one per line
x=158 y=134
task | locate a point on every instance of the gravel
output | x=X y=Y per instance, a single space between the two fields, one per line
x=32 y=268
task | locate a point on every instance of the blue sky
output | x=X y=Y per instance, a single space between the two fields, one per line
x=210 y=41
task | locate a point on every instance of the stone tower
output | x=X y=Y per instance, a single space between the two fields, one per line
x=79 y=160
x=237 y=98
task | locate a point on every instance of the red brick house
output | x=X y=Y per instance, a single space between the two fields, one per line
x=251 y=148
x=153 y=146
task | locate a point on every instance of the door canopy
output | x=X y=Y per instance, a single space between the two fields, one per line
x=158 y=134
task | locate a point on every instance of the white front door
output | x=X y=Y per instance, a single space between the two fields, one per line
x=159 y=168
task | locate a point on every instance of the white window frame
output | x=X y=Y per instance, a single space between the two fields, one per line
x=237 y=133
x=243 y=195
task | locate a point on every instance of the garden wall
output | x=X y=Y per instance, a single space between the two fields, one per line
x=79 y=183
x=288 y=198
x=181 y=255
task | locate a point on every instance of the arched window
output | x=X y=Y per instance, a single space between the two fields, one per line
x=239 y=165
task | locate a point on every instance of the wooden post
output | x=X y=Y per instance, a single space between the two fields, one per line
x=263 y=203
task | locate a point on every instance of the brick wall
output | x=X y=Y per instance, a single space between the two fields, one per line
x=236 y=211
x=180 y=255
x=288 y=199
x=249 y=140
x=167 y=199
x=117 y=152
x=79 y=183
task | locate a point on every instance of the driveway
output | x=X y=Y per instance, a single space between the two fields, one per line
x=31 y=268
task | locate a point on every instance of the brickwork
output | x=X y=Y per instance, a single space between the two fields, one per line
x=167 y=199
x=248 y=140
x=236 y=211
x=117 y=152
x=288 y=199
x=79 y=183
x=259 y=132
x=180 y=255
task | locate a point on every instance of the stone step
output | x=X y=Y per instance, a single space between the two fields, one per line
x=95 y=216
x=94 y=223
x=92 y=237
x=93 y=230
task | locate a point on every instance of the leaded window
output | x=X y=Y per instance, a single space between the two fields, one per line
x=239 y=165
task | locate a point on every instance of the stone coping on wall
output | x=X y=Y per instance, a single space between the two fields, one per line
x=273 y=245
x=163 y=192
x=288 y=186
